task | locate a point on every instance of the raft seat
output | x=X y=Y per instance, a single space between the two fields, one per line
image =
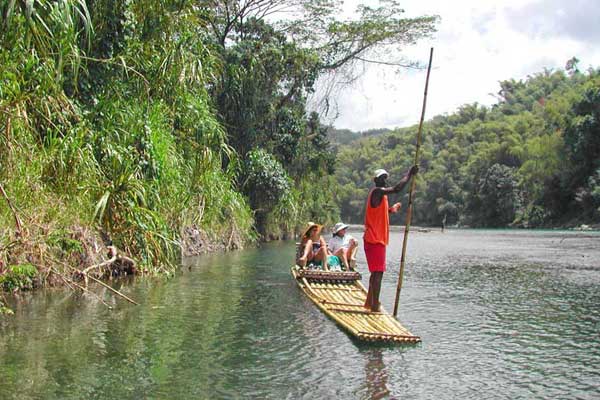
x=337 y=276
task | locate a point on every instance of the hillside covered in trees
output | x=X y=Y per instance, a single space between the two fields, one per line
x=531 y=160
x=161 y=127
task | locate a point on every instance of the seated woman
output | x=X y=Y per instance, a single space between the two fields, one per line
x=312 y=248
x=342 y=245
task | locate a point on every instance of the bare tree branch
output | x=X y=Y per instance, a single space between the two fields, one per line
x=391 y=63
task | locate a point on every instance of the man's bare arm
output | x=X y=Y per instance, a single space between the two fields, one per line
x=378 y=193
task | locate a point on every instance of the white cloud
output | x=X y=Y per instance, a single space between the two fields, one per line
x=478 y=43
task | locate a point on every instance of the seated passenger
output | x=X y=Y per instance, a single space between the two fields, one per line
x=312 y=248
x=342 y=245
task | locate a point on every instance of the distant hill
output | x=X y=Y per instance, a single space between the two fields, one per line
x=345 y=136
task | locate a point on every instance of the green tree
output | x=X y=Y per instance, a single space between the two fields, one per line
x=582 y=139
x=267 y=184
x=498 y=196
x=533 y=156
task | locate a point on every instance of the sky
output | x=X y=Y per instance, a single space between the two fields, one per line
x=478 y=43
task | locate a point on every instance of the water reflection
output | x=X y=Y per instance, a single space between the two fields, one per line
x=376 y=375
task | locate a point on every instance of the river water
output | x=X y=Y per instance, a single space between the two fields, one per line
x=502 y=314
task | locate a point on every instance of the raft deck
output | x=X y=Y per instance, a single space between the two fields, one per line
x=341 y=296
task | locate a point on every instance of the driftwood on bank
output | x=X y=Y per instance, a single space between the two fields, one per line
x=85 y=273
x=112 y=252
x=115 y=291
x=72 y=285
x=114 y=255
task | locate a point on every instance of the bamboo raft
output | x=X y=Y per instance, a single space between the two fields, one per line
x=341 y=295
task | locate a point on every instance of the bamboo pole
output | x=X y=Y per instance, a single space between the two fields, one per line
x=413 y=183
x=339 y=303
x=389 y=335
x=355 y=311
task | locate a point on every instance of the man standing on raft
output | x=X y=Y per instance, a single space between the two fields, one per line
x=377 y=230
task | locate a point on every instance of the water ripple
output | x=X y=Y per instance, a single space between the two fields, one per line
x=502 y=315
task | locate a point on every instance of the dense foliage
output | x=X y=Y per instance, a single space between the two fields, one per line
x=136 y=120
x=108 y=122
x=532 y=159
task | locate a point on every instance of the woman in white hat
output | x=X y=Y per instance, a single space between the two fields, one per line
x=342 y=245
x=312 y=247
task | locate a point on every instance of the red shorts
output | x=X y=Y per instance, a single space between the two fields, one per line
x=375 y=253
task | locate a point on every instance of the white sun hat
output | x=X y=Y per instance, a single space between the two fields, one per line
x=379 y=172
x=339 y=226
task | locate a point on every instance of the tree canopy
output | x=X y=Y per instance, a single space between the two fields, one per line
x=530 y=160
x=145 y=120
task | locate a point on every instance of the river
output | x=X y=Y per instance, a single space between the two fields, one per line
x=502 y=314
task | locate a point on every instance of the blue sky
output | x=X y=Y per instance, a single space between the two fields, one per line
x=478 y=43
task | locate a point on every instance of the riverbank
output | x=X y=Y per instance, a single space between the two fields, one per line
x=38 y=256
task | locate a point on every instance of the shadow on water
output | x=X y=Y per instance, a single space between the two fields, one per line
x=502 y=315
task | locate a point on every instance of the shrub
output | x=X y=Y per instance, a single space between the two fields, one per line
x=18 y=277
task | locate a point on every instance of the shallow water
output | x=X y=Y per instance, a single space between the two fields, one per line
x=502 y=314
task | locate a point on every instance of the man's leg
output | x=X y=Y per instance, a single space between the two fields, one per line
x=376 y=283
x=369 y=301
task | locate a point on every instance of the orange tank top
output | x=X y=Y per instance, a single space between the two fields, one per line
x=377 y=222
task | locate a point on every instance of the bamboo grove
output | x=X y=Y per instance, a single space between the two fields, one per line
x=158 y=127
x=530 y=160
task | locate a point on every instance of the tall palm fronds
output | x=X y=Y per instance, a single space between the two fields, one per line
x=55 y=30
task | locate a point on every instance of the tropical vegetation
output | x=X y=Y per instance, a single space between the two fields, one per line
x=530 y=160
x=157 y=127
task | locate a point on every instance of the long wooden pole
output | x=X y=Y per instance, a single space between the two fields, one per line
x=412 y=190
